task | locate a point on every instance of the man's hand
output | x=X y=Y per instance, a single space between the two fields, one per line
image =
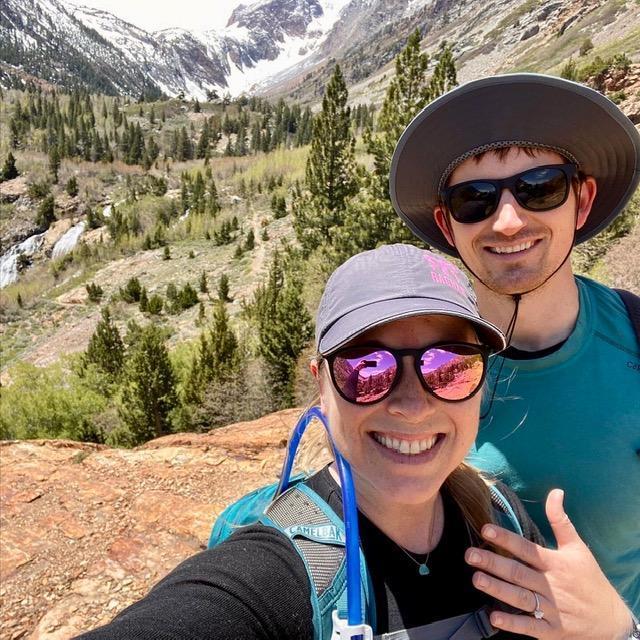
x=574 y=598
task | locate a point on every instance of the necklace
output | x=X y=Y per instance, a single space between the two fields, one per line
x=423 y=568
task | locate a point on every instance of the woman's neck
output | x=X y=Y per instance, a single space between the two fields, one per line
x=415 y=527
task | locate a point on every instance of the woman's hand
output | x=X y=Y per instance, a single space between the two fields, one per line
x=574 y=598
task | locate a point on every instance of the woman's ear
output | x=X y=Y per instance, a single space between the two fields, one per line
x=314 y=367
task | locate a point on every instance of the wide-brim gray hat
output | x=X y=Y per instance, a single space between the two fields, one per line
x=390 y=283
x=521 y=109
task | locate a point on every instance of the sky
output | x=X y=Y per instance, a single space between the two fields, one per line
x=152 y=15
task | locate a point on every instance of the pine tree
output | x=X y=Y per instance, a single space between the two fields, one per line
x=155 y=304
x=149 y=388
x=54 y=163
x=46 y=213
x=223 y=288
x=106 y=349
x=284 y=328
x=224 y=344
x=217 y=356
x=444 y=76
x=407 y=94
x=369 y=218
x=94 y=291
x=72 y=186
x=9 y=170
x=330 y=170
x=250 y=241
x=144 y=300
x=201 y=315
x=204 y=287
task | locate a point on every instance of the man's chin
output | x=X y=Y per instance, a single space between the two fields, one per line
x=513 y=283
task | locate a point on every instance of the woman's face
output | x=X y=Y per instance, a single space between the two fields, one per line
x=369 y=436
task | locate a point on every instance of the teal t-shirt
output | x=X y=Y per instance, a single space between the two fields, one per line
x=571 y=420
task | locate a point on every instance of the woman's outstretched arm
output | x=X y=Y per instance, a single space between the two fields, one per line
x=252 y=586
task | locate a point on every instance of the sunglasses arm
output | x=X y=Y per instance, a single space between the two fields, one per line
x=354 y=626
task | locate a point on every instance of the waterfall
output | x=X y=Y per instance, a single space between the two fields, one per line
x=68 y=241
x=9 y=261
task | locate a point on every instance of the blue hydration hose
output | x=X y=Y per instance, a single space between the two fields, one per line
x=349 y=506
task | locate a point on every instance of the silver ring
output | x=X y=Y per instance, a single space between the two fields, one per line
x=538 y=613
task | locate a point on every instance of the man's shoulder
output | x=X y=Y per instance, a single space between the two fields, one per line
x=601 y=296
x=607 y=310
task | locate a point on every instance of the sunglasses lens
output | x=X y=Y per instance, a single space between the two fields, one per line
x=473 y=201
x=364 y=375
x=452 y=372
x=542 y=189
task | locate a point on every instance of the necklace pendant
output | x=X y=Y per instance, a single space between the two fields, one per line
x=423 y=570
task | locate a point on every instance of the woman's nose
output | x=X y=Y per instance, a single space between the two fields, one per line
x=409 y=399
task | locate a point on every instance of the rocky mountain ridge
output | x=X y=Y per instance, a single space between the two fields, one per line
x=67 y=44
x=86 y=530
x=287 y=47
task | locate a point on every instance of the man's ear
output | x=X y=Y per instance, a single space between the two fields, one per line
x=442 y=220
x=588 y=191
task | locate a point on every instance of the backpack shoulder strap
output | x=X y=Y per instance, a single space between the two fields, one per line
x=632 y=304
x=512 y=514
x=318 y=535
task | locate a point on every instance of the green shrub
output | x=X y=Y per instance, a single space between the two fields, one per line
x=39 y=190
x=46 y=213
x=94 y=291
x=155 y=304
x=586 y=46
x=9 y=170
x=132 y=291
x=50 y=402
x=72 y=187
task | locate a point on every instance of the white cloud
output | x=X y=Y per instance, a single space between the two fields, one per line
x=152 y=15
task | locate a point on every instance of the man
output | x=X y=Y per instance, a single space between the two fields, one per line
x=508 y=173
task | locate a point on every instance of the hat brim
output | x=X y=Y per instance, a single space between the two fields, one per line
x=516 y=107
x=373 y=315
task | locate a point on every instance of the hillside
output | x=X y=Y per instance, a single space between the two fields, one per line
x=85 y=530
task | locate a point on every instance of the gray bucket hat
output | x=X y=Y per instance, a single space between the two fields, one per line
x=393 y=282
x=523 y=109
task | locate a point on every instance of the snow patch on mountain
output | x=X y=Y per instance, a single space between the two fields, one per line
x=247 y=79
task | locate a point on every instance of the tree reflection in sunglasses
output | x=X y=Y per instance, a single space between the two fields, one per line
x=449 y=375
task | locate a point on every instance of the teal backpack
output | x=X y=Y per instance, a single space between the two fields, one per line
x=319 y=537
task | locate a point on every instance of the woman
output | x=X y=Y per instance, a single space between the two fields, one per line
x=402 y=355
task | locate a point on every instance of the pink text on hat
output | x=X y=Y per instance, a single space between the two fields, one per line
x=445 y=273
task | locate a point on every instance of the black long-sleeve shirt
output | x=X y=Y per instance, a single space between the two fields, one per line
x=254 y=586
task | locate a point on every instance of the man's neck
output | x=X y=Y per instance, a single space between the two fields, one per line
x=546 y=316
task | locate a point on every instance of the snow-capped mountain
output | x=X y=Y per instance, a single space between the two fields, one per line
x=58 y=42
x=287 y=47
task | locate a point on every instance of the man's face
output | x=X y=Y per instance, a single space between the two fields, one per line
x=515 y=250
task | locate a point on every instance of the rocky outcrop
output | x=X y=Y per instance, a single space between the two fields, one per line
x=86 y=530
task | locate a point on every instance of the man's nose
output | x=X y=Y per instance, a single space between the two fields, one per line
x=508 y=218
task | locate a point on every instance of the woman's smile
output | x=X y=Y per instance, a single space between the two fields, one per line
x=414 y=449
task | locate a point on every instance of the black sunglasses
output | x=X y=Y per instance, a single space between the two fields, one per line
x=538 y=189
x=450 y=371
